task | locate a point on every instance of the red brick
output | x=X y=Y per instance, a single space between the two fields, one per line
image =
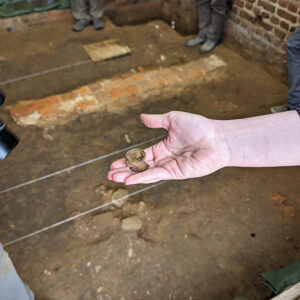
x=138 y=77
x=281 y=34
x=82 y=91
x=284 y=25
x=283 y=3
x=258 y=31
x=267 y=6
x=48 y=111
x=25 y=108
x=95 y=86
x=132 y=90
x=249 y=6
x=267 y=27
x=245 y=15
x=67 y=96
x=196 y=74
x=171 y=79
x=140 y=69
x=265 y=15
x=239 y=3
x=256 y=11
x=117 y=93
x=286 y=15
x=274 y=20
x=294 y=6
x=85 y=104
x=158 y=83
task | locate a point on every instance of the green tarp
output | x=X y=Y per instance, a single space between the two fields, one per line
x=278 y=280
x=11 y=8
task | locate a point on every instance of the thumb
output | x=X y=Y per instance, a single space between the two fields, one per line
x=155 y=121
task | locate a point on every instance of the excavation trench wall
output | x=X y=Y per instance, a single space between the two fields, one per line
x=260 y=25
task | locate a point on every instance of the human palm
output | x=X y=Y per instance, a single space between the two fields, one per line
x=192 y=148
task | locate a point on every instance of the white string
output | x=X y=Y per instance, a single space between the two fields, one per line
x=45 y=72
x=81 y=214
x=76 y=166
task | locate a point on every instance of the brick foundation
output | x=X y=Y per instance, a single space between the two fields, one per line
x=117 y=93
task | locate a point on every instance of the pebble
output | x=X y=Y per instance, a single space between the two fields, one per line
x=118 y=194
x=97 y=268
x=289 y=211
x=99 y=289
x=130 y=252
x=131 y=224
x=277 y=198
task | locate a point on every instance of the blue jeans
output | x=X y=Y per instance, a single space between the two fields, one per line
x=293 y=58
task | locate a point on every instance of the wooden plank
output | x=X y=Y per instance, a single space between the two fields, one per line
x=105 y=50
x=292 y=293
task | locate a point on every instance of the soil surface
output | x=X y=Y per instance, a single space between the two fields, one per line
x=205 y=238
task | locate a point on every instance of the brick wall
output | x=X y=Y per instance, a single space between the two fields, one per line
x=264 y=24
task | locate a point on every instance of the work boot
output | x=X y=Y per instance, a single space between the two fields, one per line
x=208 y=46
x=198 y=40
x=98 y=24
x=80 y=25
x=279 y=108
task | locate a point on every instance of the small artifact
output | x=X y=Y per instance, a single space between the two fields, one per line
x=135 y=160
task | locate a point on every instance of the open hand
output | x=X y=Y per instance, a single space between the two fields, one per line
x=194 y=147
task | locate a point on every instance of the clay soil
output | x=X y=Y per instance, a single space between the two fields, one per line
x=206 y=238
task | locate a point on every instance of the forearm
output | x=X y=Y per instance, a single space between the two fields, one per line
x=264 y=141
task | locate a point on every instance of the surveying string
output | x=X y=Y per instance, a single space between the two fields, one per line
x=45 y=72
x=87 y=212
x=77 y=166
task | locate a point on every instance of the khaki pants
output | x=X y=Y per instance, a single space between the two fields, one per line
x=87 y=9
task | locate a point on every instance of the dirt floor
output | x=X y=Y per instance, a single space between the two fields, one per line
x=206 y=238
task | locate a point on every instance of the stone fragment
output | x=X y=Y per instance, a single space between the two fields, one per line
x=130 y=252
x=131 y=224
x=289 y=211
x=120 y=197
x=277 y=198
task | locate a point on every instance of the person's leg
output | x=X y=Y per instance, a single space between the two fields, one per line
x=215 y=28
x=293 y=59
x=11 y=286
x=96 y=11
x=80 y=12
x=204 y=14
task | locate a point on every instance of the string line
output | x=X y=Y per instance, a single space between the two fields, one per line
x=45 y=72
x=87 y=212
x=76 y=166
